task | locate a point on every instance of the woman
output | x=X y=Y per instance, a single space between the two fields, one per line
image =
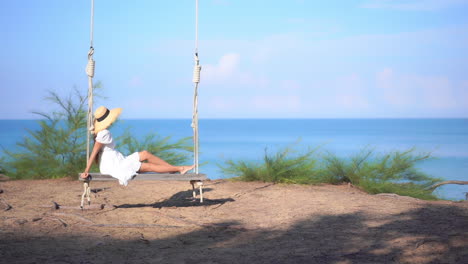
x=112 y=162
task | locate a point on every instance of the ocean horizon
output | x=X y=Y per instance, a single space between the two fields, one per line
x=247 y=139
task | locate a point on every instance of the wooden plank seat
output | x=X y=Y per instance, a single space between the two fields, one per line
x=194 y=179
x=151 y=177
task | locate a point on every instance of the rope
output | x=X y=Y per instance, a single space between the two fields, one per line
x=196 y=70
x=196 y=80
x=92 y=23
x=91 y=63
x=90 y=72
x=196 y=27
x=195 y=127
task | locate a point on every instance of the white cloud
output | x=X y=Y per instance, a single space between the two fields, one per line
x=337 y=77
x=351 y=93
x=463 y=97
x=428 y=92
x=352 y=101
x=228 y=71
x=415 y=5
x=438 y=92
x=226 y=68
x=395 y=90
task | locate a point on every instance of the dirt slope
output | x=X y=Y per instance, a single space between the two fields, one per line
x=157 y=222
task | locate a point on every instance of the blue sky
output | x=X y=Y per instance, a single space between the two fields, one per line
x=260 y=58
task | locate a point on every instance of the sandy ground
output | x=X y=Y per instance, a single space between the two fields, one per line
x=158 y=222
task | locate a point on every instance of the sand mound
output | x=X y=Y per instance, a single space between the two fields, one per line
x=158 y=222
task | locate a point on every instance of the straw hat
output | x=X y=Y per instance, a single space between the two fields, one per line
x=104 y=117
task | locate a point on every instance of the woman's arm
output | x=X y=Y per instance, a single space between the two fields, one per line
x=97 y=147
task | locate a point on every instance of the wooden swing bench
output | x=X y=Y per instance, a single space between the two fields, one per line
x=195 y=179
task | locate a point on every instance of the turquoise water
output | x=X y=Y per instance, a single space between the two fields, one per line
x=221 y=139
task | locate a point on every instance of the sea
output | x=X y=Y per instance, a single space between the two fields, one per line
x=248 y=139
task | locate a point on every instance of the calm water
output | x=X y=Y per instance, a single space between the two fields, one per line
x=222 y=139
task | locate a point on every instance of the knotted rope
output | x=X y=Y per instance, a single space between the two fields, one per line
x=90 y=72
x=90 y=66
x=91 y=63
x=196 y=80
x=196 y=70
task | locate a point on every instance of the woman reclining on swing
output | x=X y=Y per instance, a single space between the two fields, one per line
x=112 y=162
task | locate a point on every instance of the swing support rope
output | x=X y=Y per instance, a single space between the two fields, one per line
x=90 y=72
x=90 y=67
x=196 y=81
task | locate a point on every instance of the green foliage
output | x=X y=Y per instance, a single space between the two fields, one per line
x=2 y=162
x=394 y=172
x=164 y=147
x=55 y=150
x=286 y=166
x=404 y=189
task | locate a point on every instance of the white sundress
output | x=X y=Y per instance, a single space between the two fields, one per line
x=113 y=162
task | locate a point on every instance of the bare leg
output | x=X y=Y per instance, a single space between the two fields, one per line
x=146 y=155
x=156 y=164
x=151 y=167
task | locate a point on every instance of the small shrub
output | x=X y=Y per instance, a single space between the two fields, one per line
x=58 y=148
x=286 y=166
x=394 y=172
x=404 y=189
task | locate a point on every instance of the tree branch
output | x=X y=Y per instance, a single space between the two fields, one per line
x=446 y=182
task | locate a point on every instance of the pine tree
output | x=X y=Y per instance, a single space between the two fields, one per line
x=58 y=148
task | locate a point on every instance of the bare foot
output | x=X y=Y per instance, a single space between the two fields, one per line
x=184 y=169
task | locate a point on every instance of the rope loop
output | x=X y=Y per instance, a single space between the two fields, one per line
x=196 y=70
x=196 y=73
x=91 y=63
x=90 y=67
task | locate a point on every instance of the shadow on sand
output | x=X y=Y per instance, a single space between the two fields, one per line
x=421 y=235
x=180 y=199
